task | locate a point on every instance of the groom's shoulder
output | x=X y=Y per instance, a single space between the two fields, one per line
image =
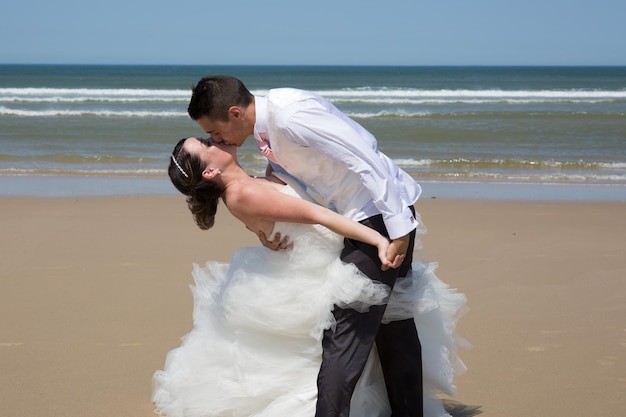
x=288 y=93
x=290 y=100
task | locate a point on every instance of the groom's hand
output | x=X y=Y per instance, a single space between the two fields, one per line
x=396 y=252
x=275 y=244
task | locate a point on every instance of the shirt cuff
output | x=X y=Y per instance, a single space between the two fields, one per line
x=401 y=224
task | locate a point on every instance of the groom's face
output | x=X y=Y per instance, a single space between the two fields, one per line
x=230 y=132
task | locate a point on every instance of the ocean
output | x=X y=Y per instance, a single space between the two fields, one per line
x=486 y=132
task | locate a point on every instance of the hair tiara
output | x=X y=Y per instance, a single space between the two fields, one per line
x=179 y=167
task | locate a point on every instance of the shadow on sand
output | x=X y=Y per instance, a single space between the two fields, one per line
x=456 y=409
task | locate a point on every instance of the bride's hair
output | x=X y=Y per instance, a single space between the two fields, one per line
x=185 y=172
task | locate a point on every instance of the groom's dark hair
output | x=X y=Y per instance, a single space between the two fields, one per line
x=214 y=95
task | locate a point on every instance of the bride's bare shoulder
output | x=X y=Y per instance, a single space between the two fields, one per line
x=250 y=196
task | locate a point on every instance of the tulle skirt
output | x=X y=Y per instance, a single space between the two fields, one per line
x=255 y=347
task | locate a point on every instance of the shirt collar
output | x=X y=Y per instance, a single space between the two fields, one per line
x=260 y=108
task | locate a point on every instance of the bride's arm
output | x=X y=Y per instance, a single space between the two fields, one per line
x=266 y=205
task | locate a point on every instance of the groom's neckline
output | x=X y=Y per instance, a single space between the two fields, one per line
x=260 y=108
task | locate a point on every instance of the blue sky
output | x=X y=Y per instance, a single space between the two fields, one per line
x=321 y=32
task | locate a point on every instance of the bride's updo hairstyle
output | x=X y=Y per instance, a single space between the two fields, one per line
x=185 y=172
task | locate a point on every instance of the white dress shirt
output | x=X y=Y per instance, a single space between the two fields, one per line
x=336 y=158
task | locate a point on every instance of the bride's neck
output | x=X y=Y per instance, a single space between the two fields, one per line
x=235 y=175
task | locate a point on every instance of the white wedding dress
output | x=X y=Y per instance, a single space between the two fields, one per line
x=255 y=348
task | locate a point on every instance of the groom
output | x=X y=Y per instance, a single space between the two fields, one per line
x=339 y=162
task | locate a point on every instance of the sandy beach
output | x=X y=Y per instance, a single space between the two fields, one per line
x=94 y=292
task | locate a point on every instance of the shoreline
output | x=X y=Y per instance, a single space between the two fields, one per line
x=104 y=186
x=95 y=292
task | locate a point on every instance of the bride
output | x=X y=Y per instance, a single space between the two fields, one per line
x=255 y=348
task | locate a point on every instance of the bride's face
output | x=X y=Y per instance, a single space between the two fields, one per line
x=210 y=153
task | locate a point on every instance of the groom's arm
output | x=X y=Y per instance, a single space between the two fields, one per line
x=336 y=138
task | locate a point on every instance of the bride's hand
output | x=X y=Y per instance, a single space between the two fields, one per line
x=386 y=264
